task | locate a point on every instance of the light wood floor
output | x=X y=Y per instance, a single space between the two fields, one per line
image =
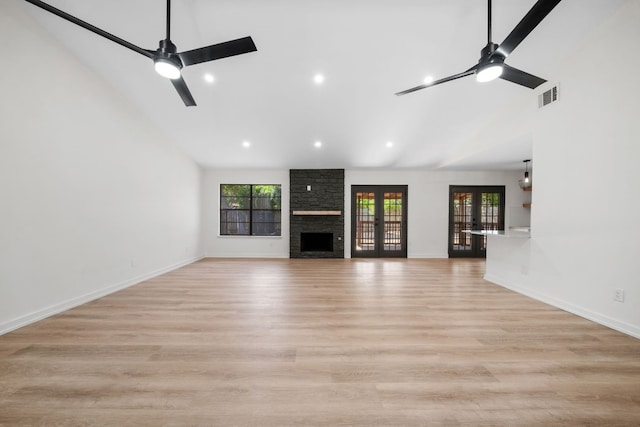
x=319 y=343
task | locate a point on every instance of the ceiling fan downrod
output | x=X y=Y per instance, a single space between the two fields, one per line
x=489 y=24
x=168 y=19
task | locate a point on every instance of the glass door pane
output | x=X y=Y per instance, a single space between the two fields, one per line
x=393 y=221
x=462 y=220
x=490 y=215
x=365 y=232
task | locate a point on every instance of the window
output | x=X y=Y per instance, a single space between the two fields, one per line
x=250 y=210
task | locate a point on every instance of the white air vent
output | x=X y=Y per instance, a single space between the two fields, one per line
x=549 y=96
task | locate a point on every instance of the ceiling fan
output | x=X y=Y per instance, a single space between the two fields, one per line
x=168 y=61
x=491 y=64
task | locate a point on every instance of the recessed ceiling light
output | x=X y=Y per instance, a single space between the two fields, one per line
x=318 y=79
x=428 y=80
x=389 y=144
x=209 y=78
x=317 y=144
x=246 y=144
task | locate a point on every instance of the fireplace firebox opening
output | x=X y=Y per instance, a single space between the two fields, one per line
x=316 y=242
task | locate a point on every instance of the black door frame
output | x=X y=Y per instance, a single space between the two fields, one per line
x=478 y=249
x=379 y=251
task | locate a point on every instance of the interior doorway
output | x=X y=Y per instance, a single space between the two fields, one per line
x=379 y=221
x=473 y=208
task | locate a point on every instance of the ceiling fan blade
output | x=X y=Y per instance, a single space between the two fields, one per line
x=437 y=82
x=64 y=15
x=520 y=77
x=531 y=20
x=183 y=91
x=218 y=51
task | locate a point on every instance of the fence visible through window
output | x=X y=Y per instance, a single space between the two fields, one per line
x=250 y=210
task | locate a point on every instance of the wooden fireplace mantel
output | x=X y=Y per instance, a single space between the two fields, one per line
x=318 y=213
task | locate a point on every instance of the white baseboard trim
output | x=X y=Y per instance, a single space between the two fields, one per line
x=35 y=316
x=601 y=319
x=248 y=255
x=434 y=255
x=346 y=256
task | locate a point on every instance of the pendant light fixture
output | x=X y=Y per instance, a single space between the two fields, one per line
x=526 y=171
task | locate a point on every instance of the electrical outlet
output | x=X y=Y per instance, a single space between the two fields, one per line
x=619 y=295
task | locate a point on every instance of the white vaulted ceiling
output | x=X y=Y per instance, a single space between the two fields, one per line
x=366 y=50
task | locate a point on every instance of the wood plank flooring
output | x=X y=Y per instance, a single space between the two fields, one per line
x=343 y=342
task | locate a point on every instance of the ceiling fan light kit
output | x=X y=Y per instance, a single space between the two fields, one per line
x=168 y=62
x=491 y=64
x=489 y=72
x=167 y=68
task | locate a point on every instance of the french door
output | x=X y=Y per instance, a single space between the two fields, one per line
x=379 y=221
x=473 y=208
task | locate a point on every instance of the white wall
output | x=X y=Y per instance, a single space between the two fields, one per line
x=93 y=198
x=428 y=219
x=243 y=246
x=585 y=229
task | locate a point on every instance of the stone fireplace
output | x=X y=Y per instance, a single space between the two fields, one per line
x=317 y=213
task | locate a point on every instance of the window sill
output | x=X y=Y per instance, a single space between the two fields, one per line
x=235 y=236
